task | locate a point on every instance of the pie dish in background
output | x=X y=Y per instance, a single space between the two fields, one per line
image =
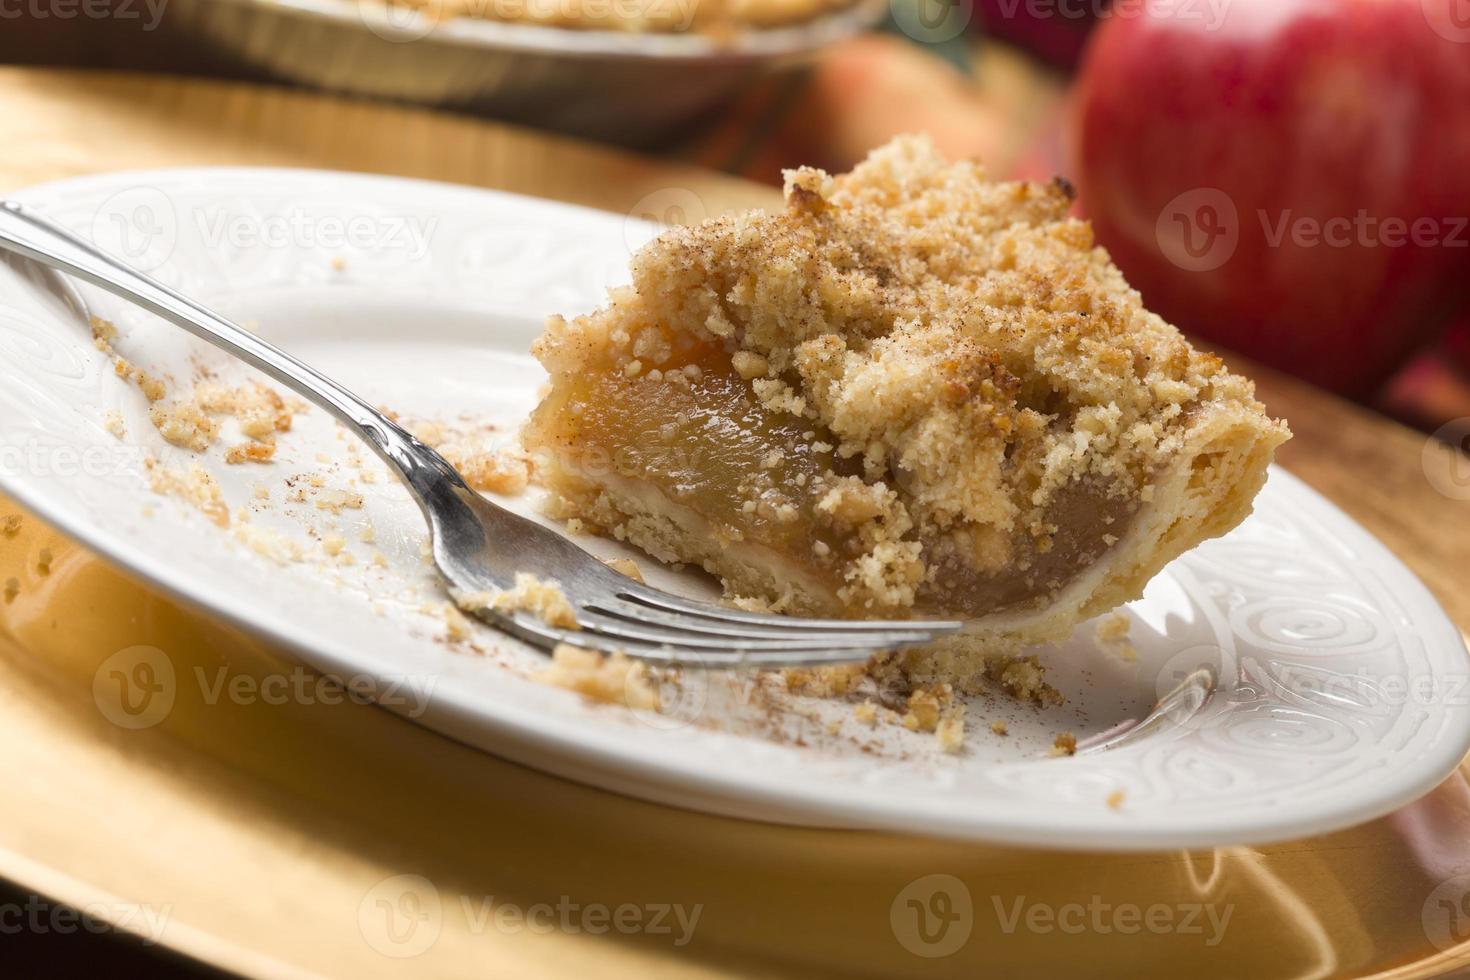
x=614 y=85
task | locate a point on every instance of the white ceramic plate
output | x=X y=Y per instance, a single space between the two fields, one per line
x=1341 y=685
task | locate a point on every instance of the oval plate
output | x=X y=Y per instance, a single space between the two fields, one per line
x=1339 y=686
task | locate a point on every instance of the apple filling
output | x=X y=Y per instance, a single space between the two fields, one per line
x=913 y=392
x=683 y=447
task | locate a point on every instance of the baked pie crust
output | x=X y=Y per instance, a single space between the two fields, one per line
x=718 y=18
x=912 y=392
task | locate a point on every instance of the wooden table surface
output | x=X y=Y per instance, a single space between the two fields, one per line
x=265 y=832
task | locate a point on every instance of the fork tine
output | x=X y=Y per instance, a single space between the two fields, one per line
x=538 y=633
x=668 y=602
x=671 y=631
x=632 y=613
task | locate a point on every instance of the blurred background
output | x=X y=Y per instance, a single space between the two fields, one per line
x=1287 y=179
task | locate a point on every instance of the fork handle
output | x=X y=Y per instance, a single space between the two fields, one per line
x=35 y=237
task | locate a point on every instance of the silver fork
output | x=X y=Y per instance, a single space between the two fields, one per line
x=479 y=546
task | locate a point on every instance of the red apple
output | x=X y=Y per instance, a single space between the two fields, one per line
x=1288 y=178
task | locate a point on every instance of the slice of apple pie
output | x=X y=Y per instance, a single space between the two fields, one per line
x=912 y=392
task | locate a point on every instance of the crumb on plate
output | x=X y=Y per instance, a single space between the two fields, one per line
x=950 y=732
x=250 y=452
x=267 y=543
x=612 y=679
x=823 y=682
x=1024 y=679
x=184 y=425
x=194 y=486
x=336 y=501
x=1112 y=637
x=926 y=706
x=541 y=598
